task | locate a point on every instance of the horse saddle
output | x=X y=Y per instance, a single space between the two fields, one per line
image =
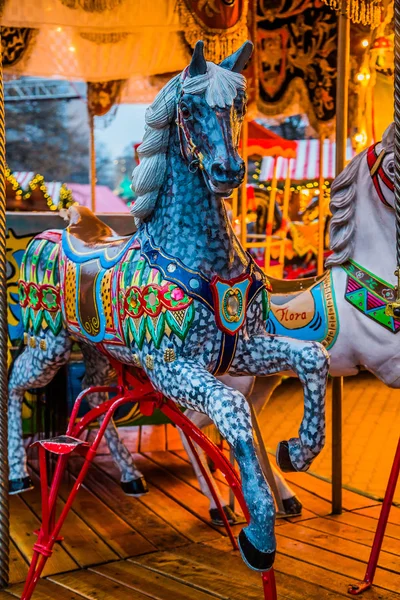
x=92 y=253
x=304 y=309
x=88 y=238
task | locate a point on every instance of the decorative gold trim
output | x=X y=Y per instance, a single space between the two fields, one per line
x=366 y=12
x=92 y=5
x=104 y=38
x=218 y=43
x=297 y=85
x=169 y=355
x=331 y=312
x=150 y=362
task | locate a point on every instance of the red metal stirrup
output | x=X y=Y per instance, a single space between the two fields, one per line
x=377 y=172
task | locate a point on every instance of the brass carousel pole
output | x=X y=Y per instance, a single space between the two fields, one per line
x=393 y=309
x=321 y=208
x=92 y=149
x=243 y=189
x=342 y=94
x=270 y=216
x=4 y=505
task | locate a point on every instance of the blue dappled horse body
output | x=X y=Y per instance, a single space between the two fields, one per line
x=181 y=298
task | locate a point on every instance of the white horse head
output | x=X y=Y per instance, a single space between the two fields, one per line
x=362 y=205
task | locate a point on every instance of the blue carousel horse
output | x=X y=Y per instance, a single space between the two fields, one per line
x=180 y=299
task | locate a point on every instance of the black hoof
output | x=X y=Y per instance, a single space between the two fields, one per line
x=255 y=559
x=216 y=518
x=19 y=486
x=283 y=458
x=135 y=487
x=292 y=506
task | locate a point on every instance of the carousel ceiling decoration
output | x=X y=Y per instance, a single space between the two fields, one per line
x=16 y=45
x=364 y=12
x=221 y=24
x=100 y=40
x=296 y=59
x=92 y=5
x=101 y=96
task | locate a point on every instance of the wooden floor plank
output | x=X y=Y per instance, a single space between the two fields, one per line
x=156 y=466
x=46 y=590
x=375 y=511
x=174 y=441
x=152 y=437
x=81 y=542
x=343 y=565
x=123 y=539
x=229 y=562
x=18 y=565
x=203 y=577
x=156 y=530
x=193 y=528
x=368 y=523
x=6 y=595
x=148 y=582
x=348 y=532
x=23 y=523
x=323 y=489
x=341 y=547
x=93 y=586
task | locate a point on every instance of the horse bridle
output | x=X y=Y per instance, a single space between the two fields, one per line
x=190 y=153
x=378 y=173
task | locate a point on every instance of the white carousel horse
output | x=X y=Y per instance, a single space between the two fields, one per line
x=345 y=309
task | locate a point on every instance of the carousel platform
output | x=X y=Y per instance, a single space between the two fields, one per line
x=162 y=547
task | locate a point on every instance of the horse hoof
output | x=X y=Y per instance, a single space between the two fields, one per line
x=292 y=506
x=283 y=458
x=255 y=559
x=19 y=486
x=135 y=487
x=216 y=518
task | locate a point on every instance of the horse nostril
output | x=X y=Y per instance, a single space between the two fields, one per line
x=219 y=172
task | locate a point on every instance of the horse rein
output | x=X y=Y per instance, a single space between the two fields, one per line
x=190 y=153
x=378 y=173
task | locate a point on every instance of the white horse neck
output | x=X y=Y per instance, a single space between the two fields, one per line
x=375 y=234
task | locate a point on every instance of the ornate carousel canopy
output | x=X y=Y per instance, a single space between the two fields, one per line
x=108 y=40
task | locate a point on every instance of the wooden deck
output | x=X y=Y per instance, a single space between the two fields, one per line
x=162 y=546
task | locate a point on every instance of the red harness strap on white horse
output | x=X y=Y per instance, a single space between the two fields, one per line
x=377 y=172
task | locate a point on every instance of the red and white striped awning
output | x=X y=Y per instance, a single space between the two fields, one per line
x=305 y=167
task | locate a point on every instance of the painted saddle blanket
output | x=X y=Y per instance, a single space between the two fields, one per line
x=305 y=314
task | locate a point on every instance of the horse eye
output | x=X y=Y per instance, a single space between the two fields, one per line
x=185 y=112
x=390 y=167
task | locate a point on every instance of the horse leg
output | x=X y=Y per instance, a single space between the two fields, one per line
x=34 y=368
x=202 y=421
x=265 y=355
x=260 y=394
x=99 y=372
x=190 y=385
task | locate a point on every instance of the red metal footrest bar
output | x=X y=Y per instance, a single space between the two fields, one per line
x=358 y=588
x=131 y=389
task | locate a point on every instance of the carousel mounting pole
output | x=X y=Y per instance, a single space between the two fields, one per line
x=4 y=505
x=342 y=97
x=321 y=208
x=243 y=188
x=285 y=217
x=393 y=309
x=270 y=216
x=92 y=148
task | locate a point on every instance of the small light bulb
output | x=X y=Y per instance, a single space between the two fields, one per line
x=365 y=43
x=72 y=49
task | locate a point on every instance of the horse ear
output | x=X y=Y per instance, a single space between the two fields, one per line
x=198 y=65
x=388 y=136
x=238 y=60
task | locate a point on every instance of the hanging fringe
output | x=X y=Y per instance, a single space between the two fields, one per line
x=218 y=43
x=104 y=38
x=365 y=12
x=92 y=5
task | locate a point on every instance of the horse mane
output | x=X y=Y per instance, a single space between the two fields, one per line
x=220 y=86
x=343 y=208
